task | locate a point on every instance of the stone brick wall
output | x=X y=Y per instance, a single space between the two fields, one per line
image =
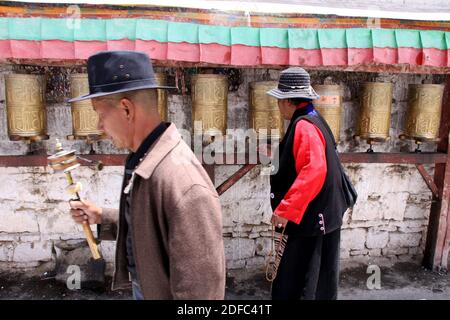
x=387 y=225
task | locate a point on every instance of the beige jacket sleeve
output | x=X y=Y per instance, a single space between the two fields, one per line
x=196 y=252
x=107 y=230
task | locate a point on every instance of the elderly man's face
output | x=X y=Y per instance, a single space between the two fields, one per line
x=114 y=121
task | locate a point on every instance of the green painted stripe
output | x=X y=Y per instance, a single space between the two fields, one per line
x=182 y=32
x=303 y=39
x=384 y=38
x=245 y=35
x=359 y=38
x=59 y=29
x=214 y=34
x=274 y=37
x=25 y=29
x=167 y=31
x=408 y=38
x=117 y=29
x=332 y=38
x=4 y=29
x=90 y=30
x=151 y=30
x=433 y=39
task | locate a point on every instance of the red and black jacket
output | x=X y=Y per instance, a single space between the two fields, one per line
x=307 y=187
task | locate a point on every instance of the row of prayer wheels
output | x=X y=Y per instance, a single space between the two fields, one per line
x=25 y=102
x=26 y=108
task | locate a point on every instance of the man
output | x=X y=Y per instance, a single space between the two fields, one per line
x=169 y=224
x=306 y=195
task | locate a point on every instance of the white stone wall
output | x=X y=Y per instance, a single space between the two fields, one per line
x=388 y=223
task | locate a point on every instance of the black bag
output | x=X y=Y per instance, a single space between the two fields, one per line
x=350 y=193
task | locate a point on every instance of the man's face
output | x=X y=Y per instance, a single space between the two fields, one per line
x=113 y=120
x=286 y=109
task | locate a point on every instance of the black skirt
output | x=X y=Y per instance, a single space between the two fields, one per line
x=309 y=268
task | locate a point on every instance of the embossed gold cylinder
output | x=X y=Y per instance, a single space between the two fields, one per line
x=84 y=118
x=161 y=79
x=209 y=102
x=424 y=111
x=329 y=105
x=265 y=115
x=25 y=107
x=375 y=117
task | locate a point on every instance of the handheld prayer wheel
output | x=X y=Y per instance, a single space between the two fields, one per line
x=25 y=107
x=329 y=105
x=375 y=117
x=424 y=112
x=264 y=112
x=66 y=161
x=84 y=118
x=209 y=101
x=161 y=79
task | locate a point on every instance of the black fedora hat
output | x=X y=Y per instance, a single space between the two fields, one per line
x=294 y=83
x=111 y=72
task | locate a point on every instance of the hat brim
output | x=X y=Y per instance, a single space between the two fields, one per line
x=102 y=94
x=306 y=94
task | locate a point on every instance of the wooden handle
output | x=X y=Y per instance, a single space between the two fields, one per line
x=91 y=240
x=86 y=228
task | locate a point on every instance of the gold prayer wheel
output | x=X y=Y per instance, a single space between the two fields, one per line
x=161 y=79
x=375 y=117
x=25 y=107
x=84 y=118
x=265 y=115
x=329 y=105
x=209 y=102
x=424 y=112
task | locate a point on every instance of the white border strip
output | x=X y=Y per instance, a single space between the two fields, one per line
x=267 y=7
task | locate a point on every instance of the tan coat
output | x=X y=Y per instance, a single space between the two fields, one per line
x=177 y=224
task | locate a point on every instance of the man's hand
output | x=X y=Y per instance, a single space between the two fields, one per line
x=85 y=211
x=278 y=221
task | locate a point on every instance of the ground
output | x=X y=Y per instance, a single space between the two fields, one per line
x=403 y=281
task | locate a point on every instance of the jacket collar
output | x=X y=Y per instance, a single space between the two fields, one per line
x=168 y=140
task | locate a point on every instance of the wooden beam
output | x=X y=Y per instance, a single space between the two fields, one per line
x=395 y=158
x=368 y=67
x=428 y=180
x=234 y=178
x=119 y=159
x=445 y=217
x=438 y=225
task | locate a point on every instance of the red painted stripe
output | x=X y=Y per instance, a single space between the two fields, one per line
x=242 y=55
x=5 y=49
x=273 y=55
x=84 y=49
x=215 y=53
x=385 y=55
x=25 y=49
x=220 y=54
x=304 y=57
x=334 y=57
x=359 y=56
x=435 y=57
x=57 y=49
x=183 y=51
x=122 y=44
x=411 y=56
x=155 y=49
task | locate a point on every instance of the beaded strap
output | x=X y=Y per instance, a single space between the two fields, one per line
x=275 y=256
